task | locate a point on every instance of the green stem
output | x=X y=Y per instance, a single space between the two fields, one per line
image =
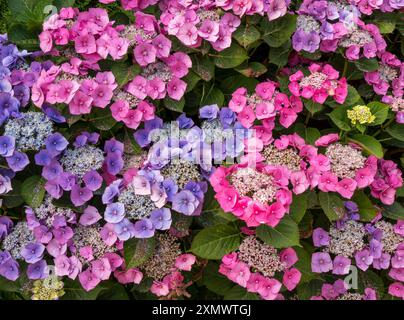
x=383 y=127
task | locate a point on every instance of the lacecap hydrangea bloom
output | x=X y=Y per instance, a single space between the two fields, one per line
x=322 y=82
x=77 y=168
x=163 y=267
x=340 y=290
x=343 y=168
x=192 y=22
x=265 y=104
x=360 y=115
x=257 y=267
x=378 y=244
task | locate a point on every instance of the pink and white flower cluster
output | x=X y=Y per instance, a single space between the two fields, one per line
x=268 y=287
x=321 y=83
x=273 y=8
x=92 y=33
x=194 y=21
x=171 y=283
x=264 y=104
x=339 y=290
x=132 y=4
x=369 y=6
x=258 y=195
x=71 y=85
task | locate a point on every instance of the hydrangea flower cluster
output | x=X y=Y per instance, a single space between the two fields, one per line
x=343 y=168
x=367 y=7
x=76 y=168
x=254 y=266
x=388 y=81
x=265 y=104
x=321 y=83
x=163 y=268
x=258 y=195
x=329 y=25
x=17 y=76
x=378 y=244
x=339 y=290
x=272 y=8
x=192 y=22
x=89 y=35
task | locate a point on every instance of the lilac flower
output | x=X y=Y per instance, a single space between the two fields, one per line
x=53 y=113
x=80 y=195
x=170 y=188
x=38 y=270
x=196 y=189
x=383 y=262
x=33 y=252
x=351 y=206
x=227 y=117
x=363 y=259
x=124 y=230
x=161 y=219
x=209 y=112
x=4 y=256
x=92 y=180
x=43 y=157
x=184 y=122
x=114 y=163
x=111 y=191
x=56 y=143
x=114 y=213
x=53 y=188
x=90 y=216
x=320 y=237
x=66 y=181
x=143 y=229
x=142 y=137
x=7 y=146
x=62 y=234
x=376 y=248
x=311 y=42
x=113 y=146
x=18 y=161
x=5 y=186
x=52 y=171
x=5 y=226
x=185 y=202
x=341 y=265
x=156 y=123
x=321 y=262
x=10 y=270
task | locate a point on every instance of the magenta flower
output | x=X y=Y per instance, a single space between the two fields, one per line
x=321 y=262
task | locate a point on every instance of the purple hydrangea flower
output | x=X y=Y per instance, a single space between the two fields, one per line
x=52 y=171
x=185 y=202
x=321 y=262
x=209 y=112
x=156 y=123
x=114 y=213
x=53 y=113
x=111 y=191
x=227 y=117
x=18 y=161
x=184 y=122
x=80 y=195
x=363 y=259
x=124 y=230
x=5 y=186
x=7 y=146
x=66 y=181
x=170 y=188
x=43 y=157
x=62 y=234
x=320 y=237
x=92 y=180
x=113 y=146
x=56 y=143
x=38 y=270
x=142 y=137
x=376 y=248
x=33 y=252
x=114 y=163
x=143 y=229
x=10 y=270
x=161 y=218
x=341 y=265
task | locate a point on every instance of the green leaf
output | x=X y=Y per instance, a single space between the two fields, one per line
x=138 y=251
x=369 y=279
x=230 y=57
x=285 y=234
x=340 y=118
x=395 y=211
x=63 y=3
x=102 y=119
x=13 y=198
x=253 y=69
x=307 y=290
x=174 y=105
x=386 y=27
x=122 y=70
x=279 y=31
x=246 y=35
x=22 y=37
x=239 y=293
x=298 y=207
x=352 y=98
x=310 y=135
x=366 y=209
x=380 y=111
x=191 y=79
x=396 y=130
x=279 y=56
x=369 y=144
x=203 y=66
x=331 y=204
x=215 y=281
x=216 y=241
x=312 y=106
x=74 y=291
x=367 y=65
x=304 y=265
x=33 y=191
x=213 y=96
x=230 y=84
